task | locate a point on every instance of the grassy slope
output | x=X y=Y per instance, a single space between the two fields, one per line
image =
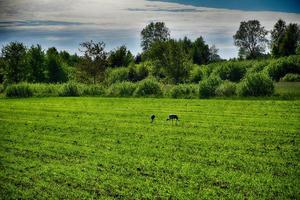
x=102 y=147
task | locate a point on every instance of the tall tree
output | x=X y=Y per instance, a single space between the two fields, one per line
x=200 y=52
x=154 y=32
x=36 y=64
x=251 y=39
x=14 y=56
x=187 y=45
x=213 y=54
x=138 y=58
x=94 y=61
x=277 y=35
x=120 y=57
x=56 y=73
x=171 y=58
x=65 y=57
x=290 y=40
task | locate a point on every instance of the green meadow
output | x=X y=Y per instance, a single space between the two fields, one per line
x=106 y=148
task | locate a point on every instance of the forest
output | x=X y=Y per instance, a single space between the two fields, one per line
x=177 y=68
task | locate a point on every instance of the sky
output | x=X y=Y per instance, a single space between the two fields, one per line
x=66 y=23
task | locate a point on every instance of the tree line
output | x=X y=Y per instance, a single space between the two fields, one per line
x=171 y=59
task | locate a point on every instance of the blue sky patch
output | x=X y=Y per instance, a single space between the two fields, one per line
x=290 y=6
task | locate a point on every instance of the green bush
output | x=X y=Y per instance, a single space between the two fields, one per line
x=124 y=89
x=93 y=90
x=257 y=84
x=19 y=90
x=291 y=78
x=148 y=87
x=184 y=91
x=258 y=66
x=117 y=75
x=142 y=72
x=226 y=89
x=45 y=90
x=71 y=90
x=1 y=88
x=232 y=71
x=137 y=73
x=208 y=86
x=132 y=74
x=197 y=74
x=280 y=67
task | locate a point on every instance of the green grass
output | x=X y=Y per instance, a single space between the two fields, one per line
x=79 y=148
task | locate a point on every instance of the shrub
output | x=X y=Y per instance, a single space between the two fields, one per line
x=153 y=69
x=226 y=89
x=137 y=73
x=142 y=72
x=93 y=90
x=291 y=78
x=184 y=91
x=280 y=67
x=1 y=88
x=197 y=74
x=132 y=74
x=258 y=66
x=45 y=90
x=124 y=89
x=257 y=84
x=148 y=87
x=208 y=86
x=232 y=71
x=19 y=90
x=117 y=75
x=71 y=90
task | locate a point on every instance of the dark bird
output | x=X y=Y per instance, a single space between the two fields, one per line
x=172 y=117
x=152 y=118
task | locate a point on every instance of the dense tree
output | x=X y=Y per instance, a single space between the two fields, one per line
x=120 y=57
x=170 y=56
x=69 y=59
x=298 y=49
x=187 y=45
x=94 y=61
x=14 y=56
x=200 y=52
x=213 y=54
x=2 y=66
x=56 y=73
x=36 y=64
x=277 y=35
x=138 y=59
x=290 y=40
x=154 y=32
x=251 y=39
x=65 y=57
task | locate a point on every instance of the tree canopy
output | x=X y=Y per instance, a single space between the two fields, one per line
x=94 y=61
x=120 y=57
x=154 y=32
x=290 y=40
x=251 y=39
x=14 y=56
x=36 y=64
x=56 y=73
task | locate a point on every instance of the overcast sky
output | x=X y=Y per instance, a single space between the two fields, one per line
x=66 y=23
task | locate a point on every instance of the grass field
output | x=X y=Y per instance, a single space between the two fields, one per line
x=106 y=148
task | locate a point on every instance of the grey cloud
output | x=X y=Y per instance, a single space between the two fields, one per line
x=7 y=24
x=164 y=10
x=65 y=23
